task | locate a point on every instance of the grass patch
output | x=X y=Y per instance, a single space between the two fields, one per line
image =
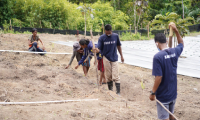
x=130 y=37
x=15 y=32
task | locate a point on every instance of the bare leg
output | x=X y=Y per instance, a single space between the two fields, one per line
x=171 y=117
x=85 y=70
x=101 y=75
x=104 y=77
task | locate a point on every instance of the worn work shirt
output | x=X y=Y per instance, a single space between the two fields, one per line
x=78 y=57
x=165 y=65
x=32 y=39
x=108 y=46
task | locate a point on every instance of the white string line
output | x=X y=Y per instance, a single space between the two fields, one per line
x=43 y=102
x=33 y=52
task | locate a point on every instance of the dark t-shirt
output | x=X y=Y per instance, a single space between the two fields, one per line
x=108 y=46
x=165 y=65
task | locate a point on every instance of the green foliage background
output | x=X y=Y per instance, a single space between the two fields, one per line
x=63 y=14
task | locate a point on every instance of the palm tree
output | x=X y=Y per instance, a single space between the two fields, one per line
x=85 y=9
x=162 y=22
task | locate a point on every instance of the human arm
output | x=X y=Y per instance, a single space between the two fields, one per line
x=120 y=52
x=72 y=58
x=179 y=38
x=42 y=44
x=157 y=82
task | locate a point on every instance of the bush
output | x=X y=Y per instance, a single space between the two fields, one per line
x=129 y=37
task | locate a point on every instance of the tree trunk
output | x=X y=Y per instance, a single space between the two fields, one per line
x=139 y=19
x=183 y=9
x=135 y=15
x=85 y=22
x=148 y=30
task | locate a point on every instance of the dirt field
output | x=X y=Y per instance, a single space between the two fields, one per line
x=31 y=77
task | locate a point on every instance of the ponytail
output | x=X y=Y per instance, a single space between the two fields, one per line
x=84 y=41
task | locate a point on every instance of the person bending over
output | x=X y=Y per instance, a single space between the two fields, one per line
x=87 y=46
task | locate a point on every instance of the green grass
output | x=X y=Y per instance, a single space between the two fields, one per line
x=193 y=34
x=15 y=32
x=130 y=37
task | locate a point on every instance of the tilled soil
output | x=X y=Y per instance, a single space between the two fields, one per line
x=30 y=77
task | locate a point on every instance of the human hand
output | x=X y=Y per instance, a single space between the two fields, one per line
x=43 y=48
x=122 y=59
x=77 y=67
x=152 y=97
x=173 y=26
x=67 y=67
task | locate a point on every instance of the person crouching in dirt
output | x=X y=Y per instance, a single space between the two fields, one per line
x=78 y=52
x=33 y=42
x=100 y=66
x=165 y=72
x=87 y=46
x=108 y=44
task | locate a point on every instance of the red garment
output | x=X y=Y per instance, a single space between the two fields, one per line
x=100 y=65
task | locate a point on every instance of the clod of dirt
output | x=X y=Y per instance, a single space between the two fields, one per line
x=74 y=114
x=44 y=77
x=40 y=64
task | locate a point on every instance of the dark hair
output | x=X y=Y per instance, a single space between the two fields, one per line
x=160 y=37
x=108 y=27
x=34 y=29
x=84 y=41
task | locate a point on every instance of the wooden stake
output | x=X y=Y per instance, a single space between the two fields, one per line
x=166 y=109
x=95 y=57
x=130 y=28
x=50 y=25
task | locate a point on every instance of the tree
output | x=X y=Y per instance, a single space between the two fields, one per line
x=85 y=9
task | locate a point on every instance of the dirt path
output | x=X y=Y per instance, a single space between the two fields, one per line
x=31 y=77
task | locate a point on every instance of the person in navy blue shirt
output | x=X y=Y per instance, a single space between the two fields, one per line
x=165 y=72
x=87 y=46
x=108 y=44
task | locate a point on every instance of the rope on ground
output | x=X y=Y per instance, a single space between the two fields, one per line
x=45 y=102
x=34 y=52
x=166 y=109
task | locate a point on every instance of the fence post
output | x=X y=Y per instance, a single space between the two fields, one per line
x=130 y=28
x=20 y=24
x=50 y=25
x=30 y=24
x=10 y=25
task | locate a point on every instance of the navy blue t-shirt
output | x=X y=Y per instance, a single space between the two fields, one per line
x=165 y=65
x=108 y=46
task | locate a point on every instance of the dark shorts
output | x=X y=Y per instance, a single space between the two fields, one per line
x=87 y=63
x=162 y=113
x=100 y=65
